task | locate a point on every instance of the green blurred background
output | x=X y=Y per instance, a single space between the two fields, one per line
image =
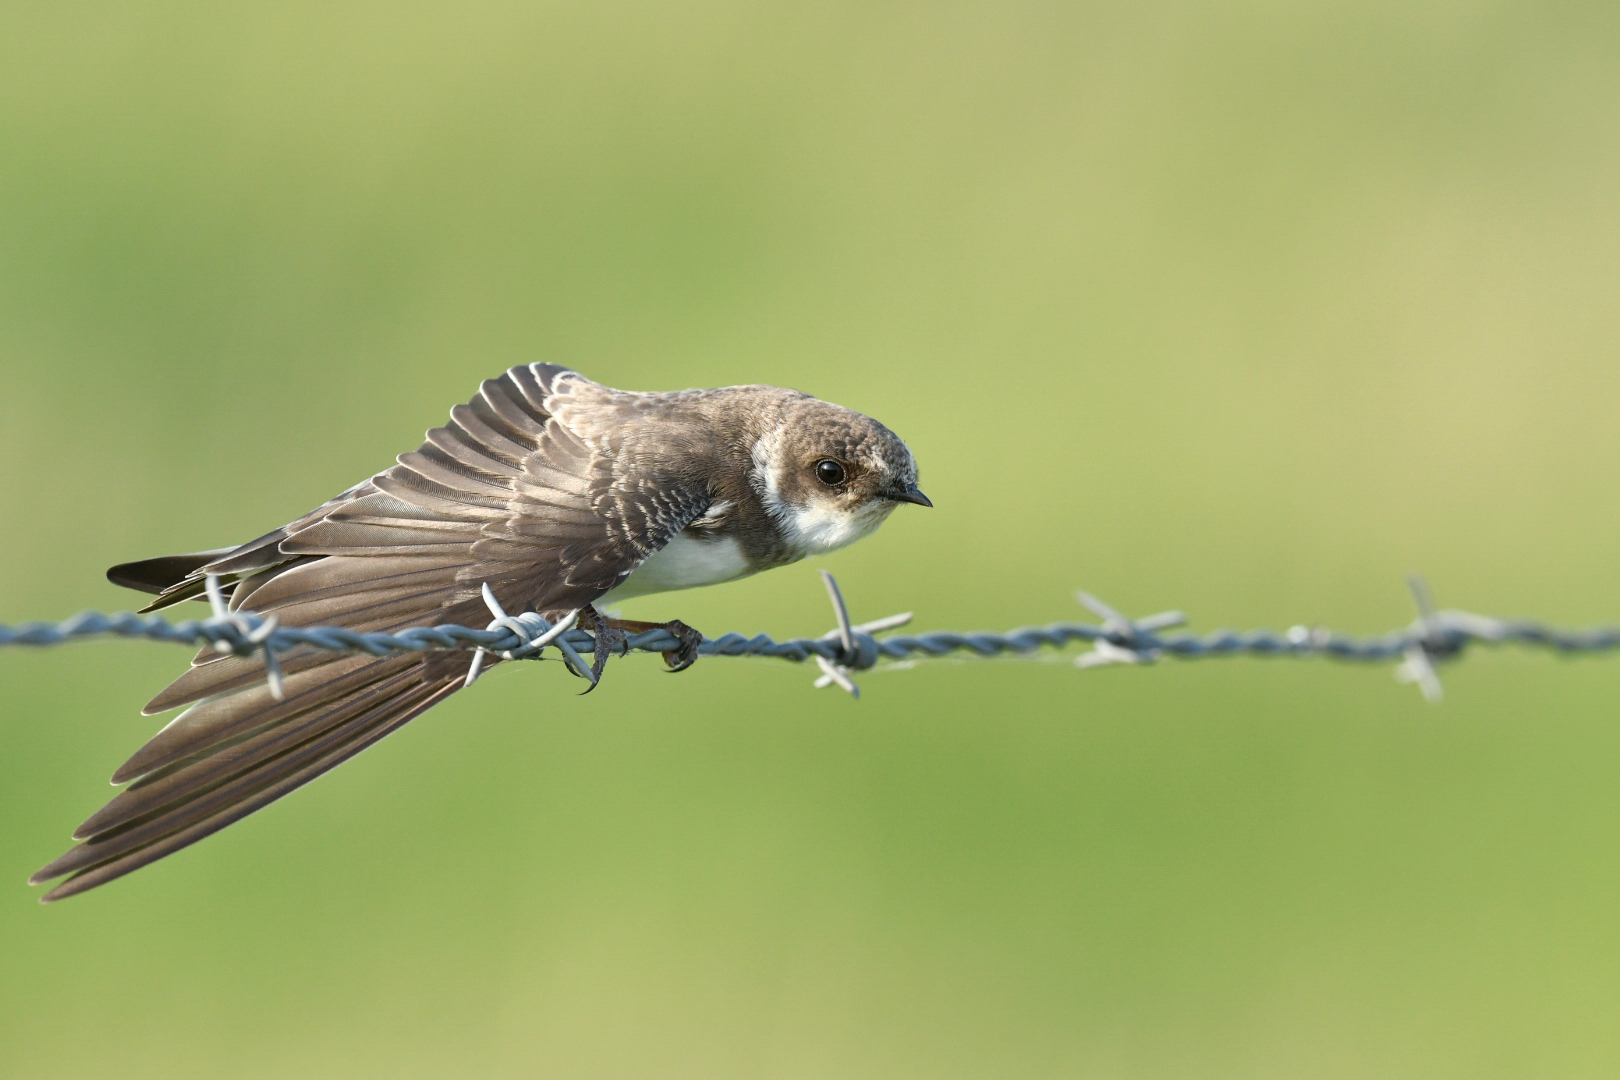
x=1247 y=309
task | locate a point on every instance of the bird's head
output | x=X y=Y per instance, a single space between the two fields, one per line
x=830 y=476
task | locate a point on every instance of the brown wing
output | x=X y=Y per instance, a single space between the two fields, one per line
x=535 y=487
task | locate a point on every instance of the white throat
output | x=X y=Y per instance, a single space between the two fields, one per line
x=816 y=530
x=813 y=529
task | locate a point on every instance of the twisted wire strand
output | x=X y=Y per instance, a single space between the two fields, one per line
x=1434 y=637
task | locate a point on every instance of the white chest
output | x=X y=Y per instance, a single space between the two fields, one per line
x=684 y=563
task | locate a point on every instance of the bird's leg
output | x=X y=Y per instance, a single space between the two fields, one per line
x=678 y=659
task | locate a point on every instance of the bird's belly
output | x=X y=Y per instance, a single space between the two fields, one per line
x=684 y=563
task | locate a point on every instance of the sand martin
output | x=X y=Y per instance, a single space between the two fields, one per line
x=558 y=493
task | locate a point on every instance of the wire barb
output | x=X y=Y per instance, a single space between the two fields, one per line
x=1128 y=641
x=535 y=633
x=859 y=645
x=244 y=634
x=1437 y=640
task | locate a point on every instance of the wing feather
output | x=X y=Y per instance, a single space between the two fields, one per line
x=534 y=487
x=254 y=793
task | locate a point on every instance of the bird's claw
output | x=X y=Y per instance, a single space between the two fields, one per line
x=609 y=639
x=684 y=657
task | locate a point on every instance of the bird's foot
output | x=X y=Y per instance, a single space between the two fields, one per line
x=678 y=659
x=684 y=657
x=613 y=635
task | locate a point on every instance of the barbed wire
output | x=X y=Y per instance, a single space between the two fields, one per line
x=1434 y=637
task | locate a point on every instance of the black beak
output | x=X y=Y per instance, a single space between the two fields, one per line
x=911 y=495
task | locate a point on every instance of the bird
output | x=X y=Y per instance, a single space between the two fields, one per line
x=557 y=493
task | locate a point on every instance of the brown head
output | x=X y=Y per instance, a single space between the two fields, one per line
x=829 y=475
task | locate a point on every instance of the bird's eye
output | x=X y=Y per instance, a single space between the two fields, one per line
x=829 y=472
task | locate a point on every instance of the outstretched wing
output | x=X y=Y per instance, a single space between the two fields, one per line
x=536 y=487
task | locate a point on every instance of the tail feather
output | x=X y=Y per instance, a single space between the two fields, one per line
x=162 y=573
x=175 y=578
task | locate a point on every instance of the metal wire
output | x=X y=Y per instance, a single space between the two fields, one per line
x=1434 y=637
